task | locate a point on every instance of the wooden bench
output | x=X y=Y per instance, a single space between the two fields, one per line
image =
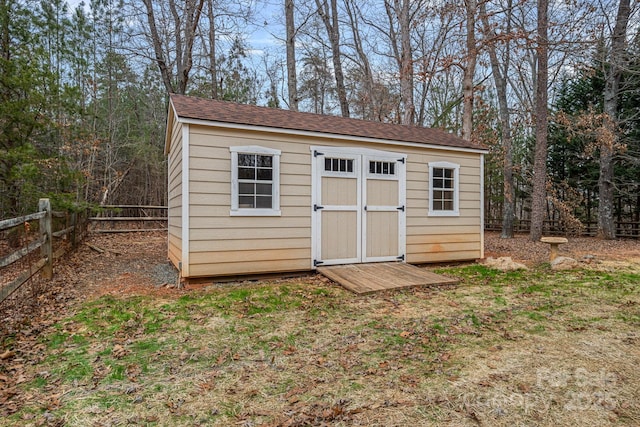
x=554 y=242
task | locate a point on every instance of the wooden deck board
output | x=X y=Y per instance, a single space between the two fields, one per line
x=374 y=277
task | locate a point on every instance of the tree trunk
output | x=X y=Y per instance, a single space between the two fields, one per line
x=538 y=202
x=165 y=71
x=403 y=54
x=499 y=77
x=406 y=73
x=469 y=71
x=184 y=31
x=330 y=20
x=606 y=223
x=213 y=69
x=292 y=77
x=365 y=66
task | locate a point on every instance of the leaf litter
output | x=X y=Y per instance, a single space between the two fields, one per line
x=111 y=338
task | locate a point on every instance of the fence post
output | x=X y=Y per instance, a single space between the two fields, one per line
x=74 y=229
x=45 y=229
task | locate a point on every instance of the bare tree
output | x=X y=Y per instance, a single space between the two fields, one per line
x=329 y=15
x=292 y=77
x=315 y=79
x=471 y=7
x=355 y=16
x=606 y=224
x=403 y=53
x=174 y=70
x=539 y=196
x=500 y=79
x=213 y=69
x=434 y=35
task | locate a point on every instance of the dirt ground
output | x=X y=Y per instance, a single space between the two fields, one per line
x=137 y=264
x=520 y=248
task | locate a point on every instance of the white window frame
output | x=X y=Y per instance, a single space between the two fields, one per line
x=275 y=181
x=339 y=174
x=456 y=189
x=392 y=177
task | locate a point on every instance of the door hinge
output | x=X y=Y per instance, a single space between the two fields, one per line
x=400 y=258
x=401 y=160
x=316 y=208
x=317 y=263
x=401 y=208
x=316 y=153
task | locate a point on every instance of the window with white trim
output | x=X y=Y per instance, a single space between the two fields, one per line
x=377 y=167
x=334 y=164
x=443 y=189
x=255 y=181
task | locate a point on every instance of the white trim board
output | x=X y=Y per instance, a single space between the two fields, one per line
x=482 y=206
x=361 y=156
x=185 y=200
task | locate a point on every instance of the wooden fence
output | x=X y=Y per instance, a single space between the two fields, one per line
x=624 y=229
x=54 y=233
x=129 y=218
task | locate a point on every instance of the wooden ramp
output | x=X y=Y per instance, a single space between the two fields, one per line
x=384 y=276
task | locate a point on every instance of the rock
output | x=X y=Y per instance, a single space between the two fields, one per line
x=504 y=263
x=564 y=263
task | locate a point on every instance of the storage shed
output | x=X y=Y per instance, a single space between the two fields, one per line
x=256 y=190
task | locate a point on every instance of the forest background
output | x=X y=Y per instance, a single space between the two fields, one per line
x=552 y=88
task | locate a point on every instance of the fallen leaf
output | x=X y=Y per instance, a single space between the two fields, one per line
x=524 y=388
x=7 y=354
x=405 y=334
x=119 y=351
x=293 y=399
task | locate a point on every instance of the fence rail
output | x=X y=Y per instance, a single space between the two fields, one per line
x=129 y=218
x=624 y=229
x=72 y=231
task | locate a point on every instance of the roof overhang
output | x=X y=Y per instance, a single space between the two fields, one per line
x=326 y=135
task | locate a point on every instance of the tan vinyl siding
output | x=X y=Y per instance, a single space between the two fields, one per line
x=221 y=244
x=175 y=194
x=443 y=238
x=213 y=268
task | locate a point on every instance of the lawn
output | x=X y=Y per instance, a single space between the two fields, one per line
x=533 y=347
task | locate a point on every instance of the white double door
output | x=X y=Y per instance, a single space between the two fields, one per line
x=359 y=205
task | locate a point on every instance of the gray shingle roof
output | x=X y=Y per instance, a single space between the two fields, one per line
x=228 y=112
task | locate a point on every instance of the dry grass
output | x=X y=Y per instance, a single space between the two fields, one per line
x=499 y=349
